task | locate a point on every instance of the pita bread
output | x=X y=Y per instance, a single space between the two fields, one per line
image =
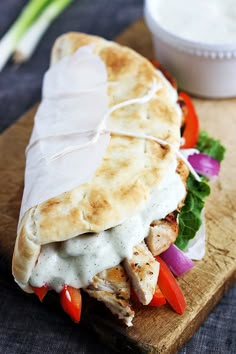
x=130 y=168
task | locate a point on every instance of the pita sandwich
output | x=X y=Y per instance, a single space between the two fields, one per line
x=101 y=195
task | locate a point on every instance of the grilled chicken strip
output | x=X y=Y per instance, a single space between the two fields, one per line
x=143 y=270
x=112 y=287
x=162 y=234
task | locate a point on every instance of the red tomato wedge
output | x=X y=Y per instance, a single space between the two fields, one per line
x=158 y=298
x=71 y=302
x=40 y=292
x=191 y=128
x=170 y=288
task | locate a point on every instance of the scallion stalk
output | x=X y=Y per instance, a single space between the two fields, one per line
x=29 y=41
x=10 y=40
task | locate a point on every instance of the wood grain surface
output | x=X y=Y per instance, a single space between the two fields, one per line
x=155 y=330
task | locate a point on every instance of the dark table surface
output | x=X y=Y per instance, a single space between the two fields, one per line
x=26 y=326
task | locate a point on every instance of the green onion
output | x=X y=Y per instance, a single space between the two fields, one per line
x=30 y=13
x=29 y=41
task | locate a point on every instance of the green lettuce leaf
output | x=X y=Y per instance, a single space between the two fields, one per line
x=210 y=146
x=190 y=215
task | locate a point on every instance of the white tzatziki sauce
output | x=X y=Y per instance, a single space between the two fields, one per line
x=76 y=261
x=207 y=21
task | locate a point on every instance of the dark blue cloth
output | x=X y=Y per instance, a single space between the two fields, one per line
x=26 y=326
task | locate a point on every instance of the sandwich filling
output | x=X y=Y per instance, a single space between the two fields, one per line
x=76 y=261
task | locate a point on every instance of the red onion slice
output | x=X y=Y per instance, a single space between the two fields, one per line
x=205 y=165
x=176 y=260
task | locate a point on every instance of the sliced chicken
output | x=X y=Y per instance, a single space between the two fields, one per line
x=143 y=270
x=183 y=172
x=112 y=287
x=162 y=234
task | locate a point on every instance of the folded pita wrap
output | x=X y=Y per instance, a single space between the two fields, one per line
x=63 y=202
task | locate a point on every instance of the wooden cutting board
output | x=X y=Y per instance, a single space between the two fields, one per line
x=155 y=330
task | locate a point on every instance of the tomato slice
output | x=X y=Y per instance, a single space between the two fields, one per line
x=40 y=292
x=191 y=128
x=71 y=302
x=170 y=288
x=158 y=298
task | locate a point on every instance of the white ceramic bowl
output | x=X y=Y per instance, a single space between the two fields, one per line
x=202 y=69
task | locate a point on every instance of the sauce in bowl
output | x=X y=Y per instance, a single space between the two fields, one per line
x=211 y=21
